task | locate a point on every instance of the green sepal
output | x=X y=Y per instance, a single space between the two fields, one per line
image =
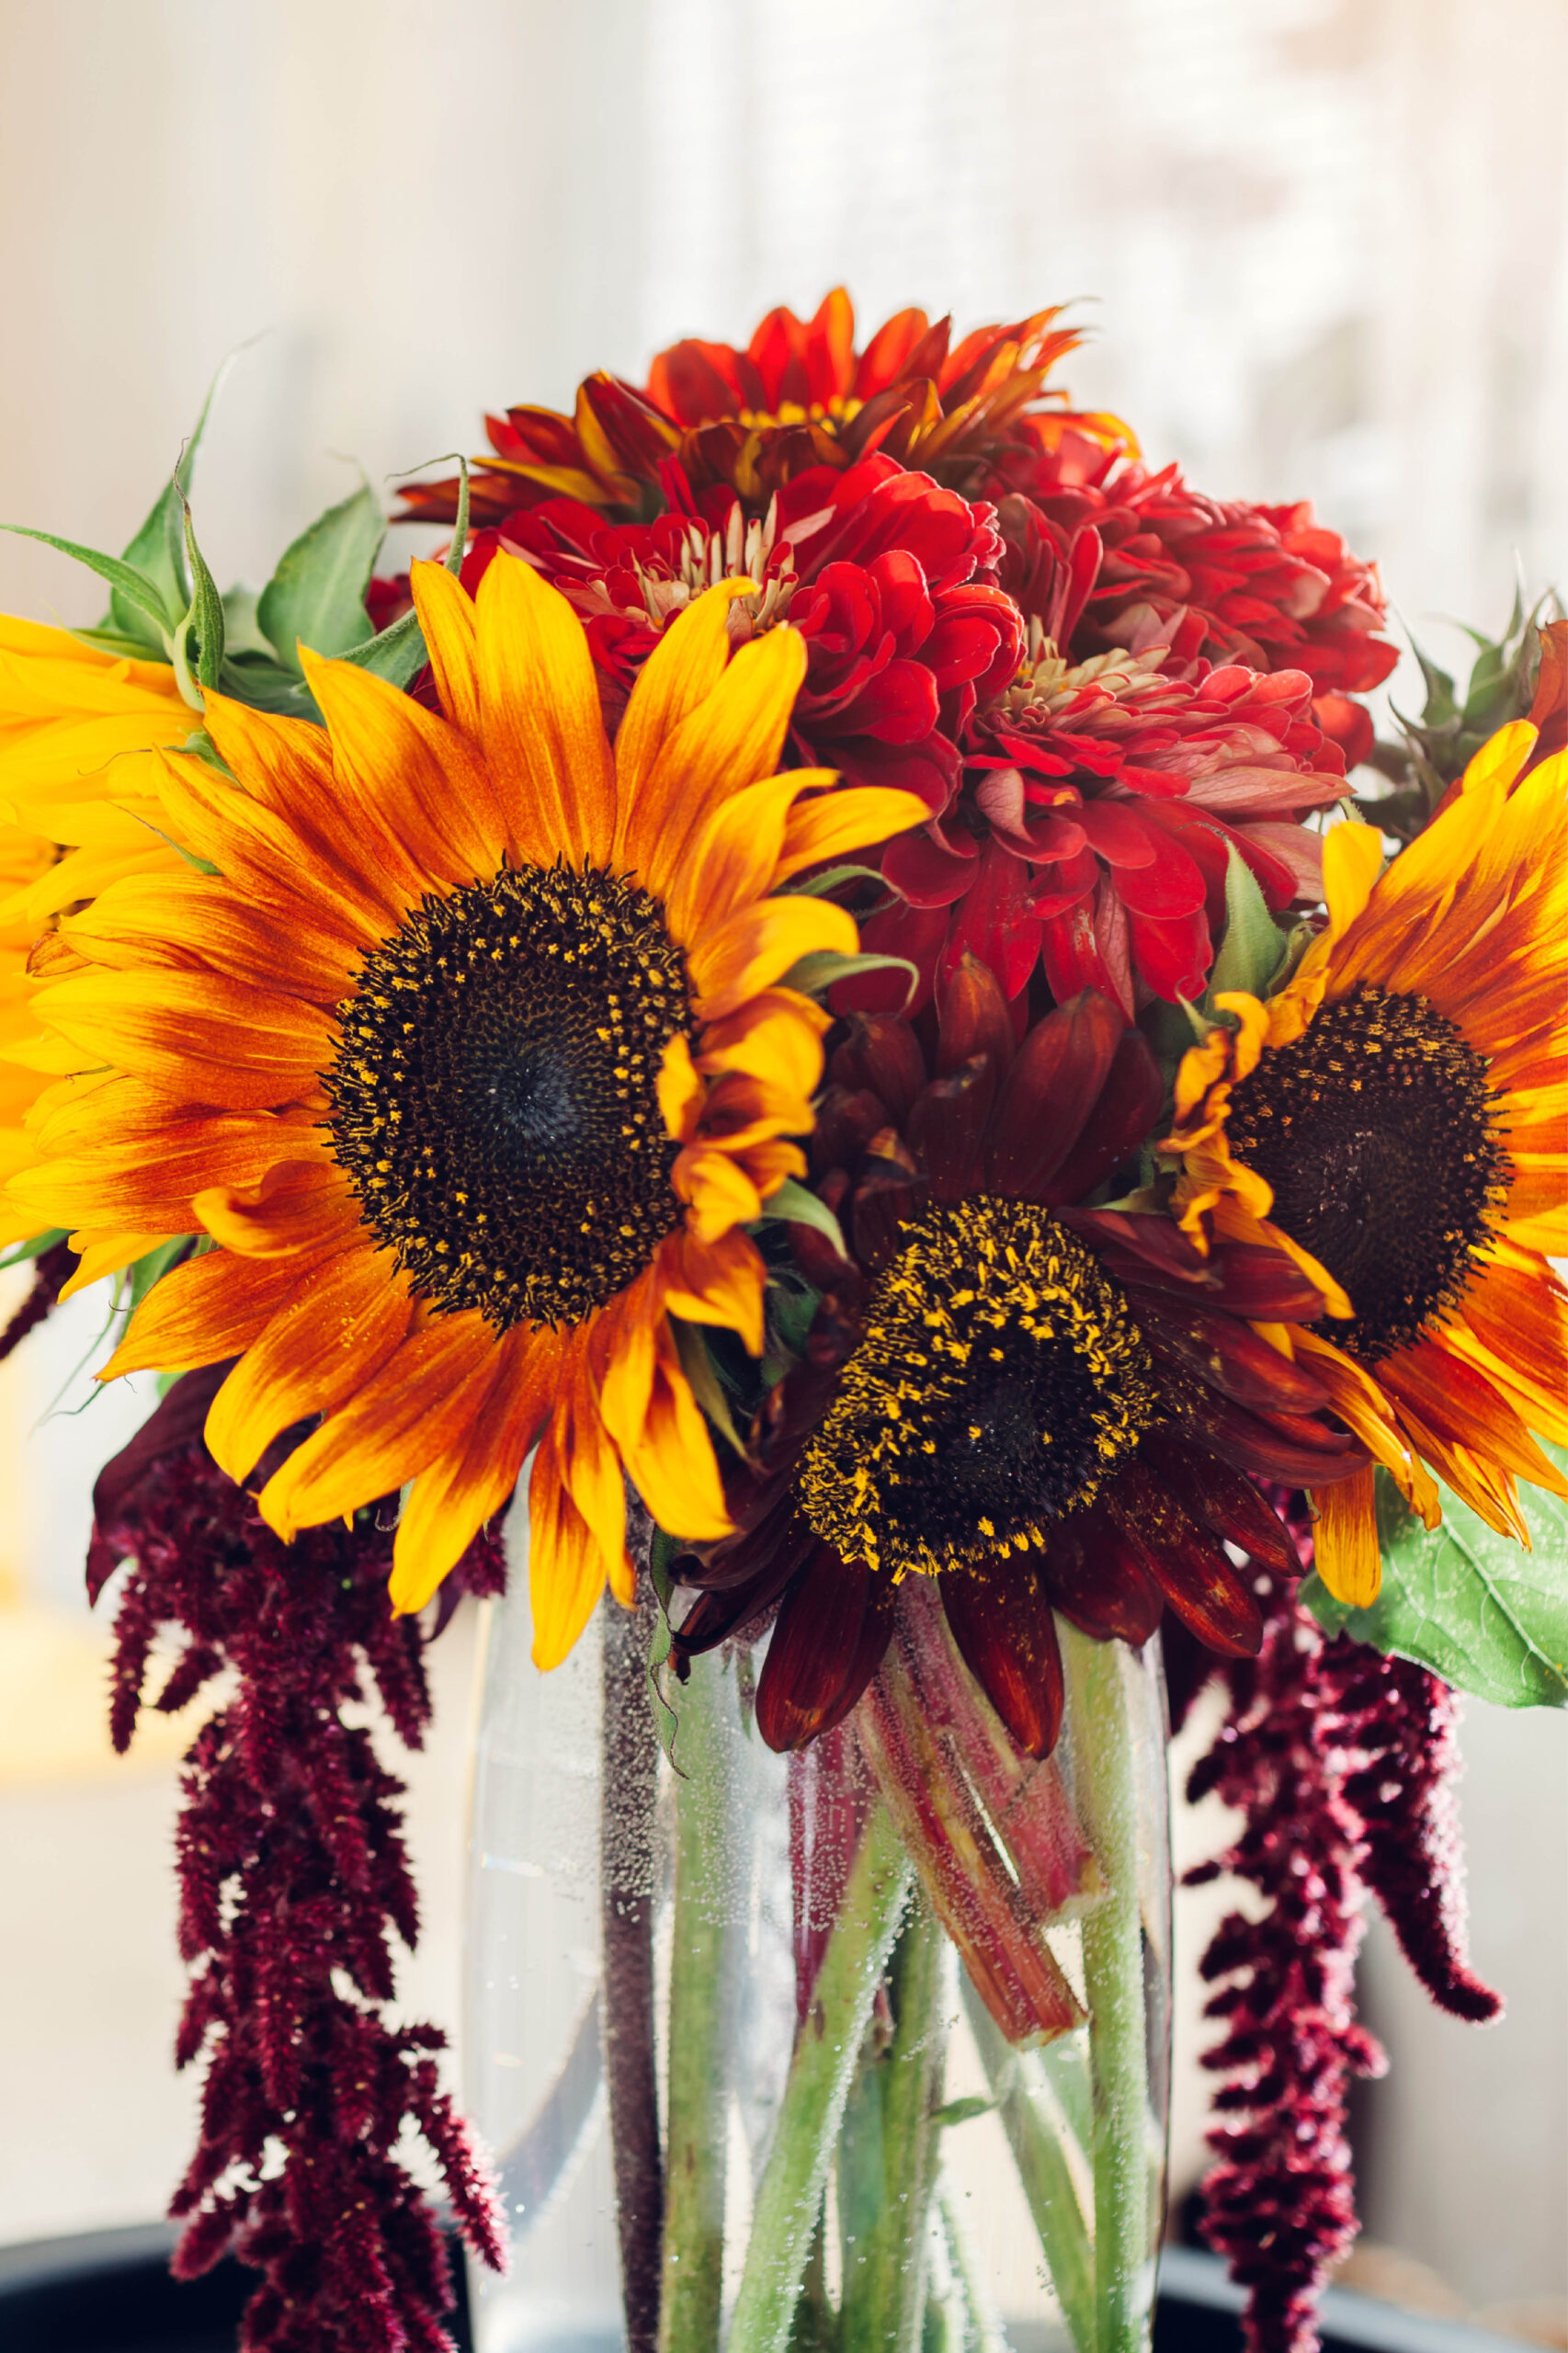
x=702 y=1379
x=960 y=2112
x=205 y=619
x=397 y=656
x=133 y=584
x=833 y=878
x=823 y=968
x=317 y=595
x=1473 y=1606
x=792 y=1203
x=1254 y=945
x=265 y=685
x=158 y=548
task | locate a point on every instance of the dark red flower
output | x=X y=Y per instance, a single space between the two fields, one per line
x=797 y=396
x=1043 y=1404
x=889 y=578
x=1094 y=825
x=1265 y=586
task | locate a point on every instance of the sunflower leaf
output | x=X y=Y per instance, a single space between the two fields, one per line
x=1254 y=945
x=134 y=585
x=1474 y=1606
x=823 y=968
x=316 y=597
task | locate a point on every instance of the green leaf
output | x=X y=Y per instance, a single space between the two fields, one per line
x=397 y=655
x=704 y=1381
x=1473 y=1606
x=817 y=886
x=1253 y=944
x=241 y=630
x=795 y=1204
x=115 y=642
x=317 y=594
x=143 y=593
x=158 y=548
x=825 y=967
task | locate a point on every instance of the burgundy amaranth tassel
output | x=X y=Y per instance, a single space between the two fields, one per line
x=1279 y=2202
x=53 y=1269
x=1404 y=1720
x=293 y=1879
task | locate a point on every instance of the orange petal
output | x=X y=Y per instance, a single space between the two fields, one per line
x=415 y=1402
x=545 y=740
x=757 y=947
x=451 y=640
x=1345 y=1539
x=201 y=1312
x=566 y=1568
x=454 y=1495
x=197 y=1034
x=339 y=1322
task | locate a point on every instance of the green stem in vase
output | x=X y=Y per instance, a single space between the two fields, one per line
x=789 y=2195
x=1104 y=1791
x=695 y=2163
x=887 y=2151
x=1039 y=2133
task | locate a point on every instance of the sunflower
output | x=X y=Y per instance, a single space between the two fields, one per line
x=79 y=734
x=1044 y=1408
x=1395 y=1119
x=475 y=1060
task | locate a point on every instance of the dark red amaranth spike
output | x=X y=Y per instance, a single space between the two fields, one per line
x=1279 y=2203
x=53 y=1269
x=294 y=1881
x=1405 y=1719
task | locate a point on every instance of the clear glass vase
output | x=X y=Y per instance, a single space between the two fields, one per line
x=863 y=2048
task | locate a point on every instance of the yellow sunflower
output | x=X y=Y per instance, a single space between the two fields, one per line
x=472 y=1059
x=1397 y=1117
x=79 y=806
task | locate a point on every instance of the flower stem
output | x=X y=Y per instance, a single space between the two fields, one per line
x=626 y=1879
x=788 y=2197
x=1039 y=2141
x=698 y=2145
x=1104 y=1782
x=887 y=2151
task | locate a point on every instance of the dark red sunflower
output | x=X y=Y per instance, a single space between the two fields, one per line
x=798 y=395
x=1045 y=1406
x=1092 y=827
x=890 y=579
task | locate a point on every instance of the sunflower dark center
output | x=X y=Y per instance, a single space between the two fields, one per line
x=494 y=1096
x=1375 y=1128
x=1000 y=1377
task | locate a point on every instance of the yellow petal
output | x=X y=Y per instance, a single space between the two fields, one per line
x=1345 y=1539
x=545 y=746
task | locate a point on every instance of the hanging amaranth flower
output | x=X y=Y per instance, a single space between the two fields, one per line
x=294 y=1881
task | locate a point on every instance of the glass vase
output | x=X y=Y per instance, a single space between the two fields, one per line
x=865 y=2047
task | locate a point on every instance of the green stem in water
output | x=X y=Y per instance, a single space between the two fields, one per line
x=1037 y=2133
x=699 y=2114
x=1104 y=1791
x=789 y=2195
x=887 y=2151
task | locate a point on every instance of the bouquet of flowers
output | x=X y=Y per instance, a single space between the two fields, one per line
x=813 y=998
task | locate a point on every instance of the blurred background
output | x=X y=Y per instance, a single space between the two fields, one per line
x=1320 y=250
